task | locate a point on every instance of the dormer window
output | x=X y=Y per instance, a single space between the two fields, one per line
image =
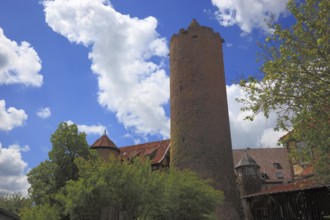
x=277 y=165
x=264 y=176
x=279 y=175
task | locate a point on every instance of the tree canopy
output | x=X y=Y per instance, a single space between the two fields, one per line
x=74 y=183
x=14 y=202
x=48 y=178
x=132 y=190
x=296 y=78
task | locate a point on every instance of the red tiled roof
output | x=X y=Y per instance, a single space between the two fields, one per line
x=156 y=150
x=291 y=187
x=104 y=142
x=265 y=158
x=307 y=171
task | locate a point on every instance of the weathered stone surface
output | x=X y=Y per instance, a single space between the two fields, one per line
x=200 y=133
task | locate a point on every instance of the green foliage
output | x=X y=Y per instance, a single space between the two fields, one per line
x=51 y=175
x=68 y=144
x=75 y=184
x=41 y=212
x=42 y=182
x=133 y=191
x=14 y=202
x=48 y=179
x=296 y=78
x=185 y=196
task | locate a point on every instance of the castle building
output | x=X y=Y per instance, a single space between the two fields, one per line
x=273 y=164
x=201 y=141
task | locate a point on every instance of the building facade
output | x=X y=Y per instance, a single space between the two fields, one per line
x=201 y=140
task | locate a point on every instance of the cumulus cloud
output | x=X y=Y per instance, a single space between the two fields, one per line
x=248 y=14
x=44 y=112
x=127 y=57
x=19 y=63
x=11 y=117
x=90 y=129
x=13 y=177
x=245 y=133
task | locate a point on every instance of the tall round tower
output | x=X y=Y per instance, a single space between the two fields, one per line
x=200 y=132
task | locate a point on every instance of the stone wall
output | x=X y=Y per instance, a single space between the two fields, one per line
x=200 y=133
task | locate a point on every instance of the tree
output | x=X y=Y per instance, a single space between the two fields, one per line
x=41 y=212
x=76 y=184
x=185 y=196
x=42 y=180
x=296 y=78
x=134 y=191
x=48 y=179
x=14 y=202
x=68 y=144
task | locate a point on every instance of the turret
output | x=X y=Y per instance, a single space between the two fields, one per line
x=105 y=147
x=248 y=177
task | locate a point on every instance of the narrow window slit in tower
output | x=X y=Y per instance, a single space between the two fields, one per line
x=180 y=87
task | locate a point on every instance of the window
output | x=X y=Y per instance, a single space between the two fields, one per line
x=264 y=176
x=277 y=165
x=154 y=167
x=249 y=171
x=279 y=175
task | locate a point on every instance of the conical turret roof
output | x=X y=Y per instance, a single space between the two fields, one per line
x=104 y=142
x=246 y=160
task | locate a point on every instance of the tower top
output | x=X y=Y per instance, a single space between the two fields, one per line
x=194 y=23
x=195 y=27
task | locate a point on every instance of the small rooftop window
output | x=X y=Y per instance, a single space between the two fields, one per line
x=277 y=165
x=264 y=176
x=279 y=175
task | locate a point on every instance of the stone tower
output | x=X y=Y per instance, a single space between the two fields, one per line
x=200 y=132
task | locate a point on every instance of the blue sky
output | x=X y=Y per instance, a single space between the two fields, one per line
x=104 y=65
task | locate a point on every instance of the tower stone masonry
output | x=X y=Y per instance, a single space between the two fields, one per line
x=200 y=132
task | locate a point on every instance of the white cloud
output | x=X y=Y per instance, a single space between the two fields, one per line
x=245 y=133
x=19 y=63
x=44 y=112
x=132 y=84
x=11 y=117
x=13 y=177
x=90 y=129
x=135 y=140
x=248 y=14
